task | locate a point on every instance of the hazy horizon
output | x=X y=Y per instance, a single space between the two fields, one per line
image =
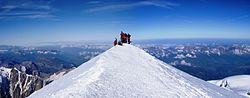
x=138 y=41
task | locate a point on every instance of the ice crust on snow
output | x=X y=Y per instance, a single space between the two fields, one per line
x=128 y=71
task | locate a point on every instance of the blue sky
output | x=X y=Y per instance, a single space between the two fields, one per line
x=32 y=21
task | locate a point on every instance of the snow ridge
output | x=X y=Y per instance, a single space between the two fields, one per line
x=128 y=71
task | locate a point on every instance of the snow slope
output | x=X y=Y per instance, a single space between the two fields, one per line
x=238 y=83
x=57 y=75
x=127 y=71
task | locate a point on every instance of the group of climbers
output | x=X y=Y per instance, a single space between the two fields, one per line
x=124 y=38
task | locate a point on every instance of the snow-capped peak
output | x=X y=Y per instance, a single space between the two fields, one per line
x=127 y=71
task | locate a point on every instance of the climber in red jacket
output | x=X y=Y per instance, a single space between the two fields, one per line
x=123 y=37
x=115 y=42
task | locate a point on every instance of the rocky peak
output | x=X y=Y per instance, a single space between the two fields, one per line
x=17 y=84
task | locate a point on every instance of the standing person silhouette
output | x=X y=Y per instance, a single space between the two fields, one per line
x=129 y=40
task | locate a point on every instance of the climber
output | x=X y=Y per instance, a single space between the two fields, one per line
x=129 y=41
x=123 y=37
x=115 y=42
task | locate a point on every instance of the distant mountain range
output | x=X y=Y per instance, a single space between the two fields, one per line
x=206 y=61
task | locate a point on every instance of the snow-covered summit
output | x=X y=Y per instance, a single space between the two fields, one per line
x=128 y=71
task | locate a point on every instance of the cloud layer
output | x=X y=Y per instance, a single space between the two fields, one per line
x=124 y=6
x=26 y=9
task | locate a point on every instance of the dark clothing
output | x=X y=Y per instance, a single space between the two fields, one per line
x=126 y=38
x=120 y=43
x=123 y=37
x=129 y=41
